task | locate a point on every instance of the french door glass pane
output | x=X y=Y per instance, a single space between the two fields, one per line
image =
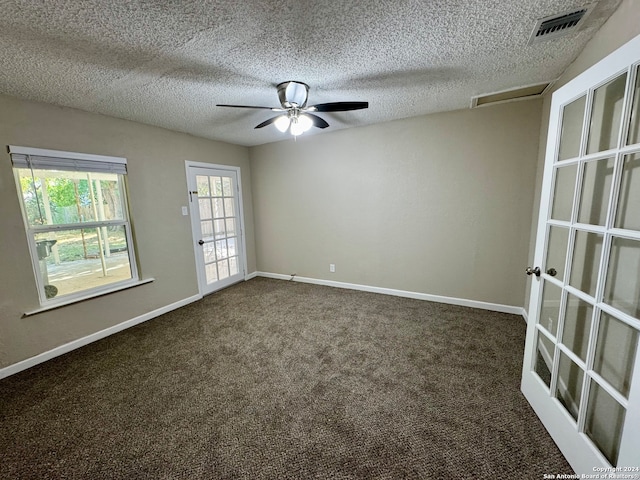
x=615 y=352
x=212 y=274
x=606 y=115
x=233 y=266
x=231 y=244
x=605 y=418
x=221 y=249
x=217 y=186
x=202 y=182
x=634 y=127
x=229 y=211
x=218 y=211
x=586 y=261
x=223 y=269
x=596 y=186
x=572 y=117
x=209 y=253
x=557 y=250
x=577 y=326
x=219 y=228
x=207 y=229
x=629 y=203
x=563 y=192
x=569 y=385
x=622 y=288
x=231 y=227
x=550 y=309
x=226 y=187
x=544 y=359
x=205 y=208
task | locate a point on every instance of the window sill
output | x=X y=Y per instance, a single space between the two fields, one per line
x=71 y=301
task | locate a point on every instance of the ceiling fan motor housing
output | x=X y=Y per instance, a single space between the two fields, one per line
x=293 y=93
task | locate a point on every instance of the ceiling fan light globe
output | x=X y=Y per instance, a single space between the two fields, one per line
x=305 y=122
x=282 y=123
x=296 y=128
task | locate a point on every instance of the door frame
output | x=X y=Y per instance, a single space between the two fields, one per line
x=195 y=229
x=580 y=455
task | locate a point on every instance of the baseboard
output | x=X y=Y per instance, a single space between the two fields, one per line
x=251 y=275
x=525 y=315
x=81 y=342
x=496 y=307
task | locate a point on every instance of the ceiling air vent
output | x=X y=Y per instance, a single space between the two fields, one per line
x=559 y=25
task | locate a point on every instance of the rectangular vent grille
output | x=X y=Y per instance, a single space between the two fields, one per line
x=521 y=93
x=558 y=25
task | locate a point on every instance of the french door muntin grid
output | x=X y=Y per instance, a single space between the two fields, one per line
x=608 y=232
x=219 y=197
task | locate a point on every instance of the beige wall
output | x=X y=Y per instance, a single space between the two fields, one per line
x=439 y=204
x=157 y=190
x=621 y=27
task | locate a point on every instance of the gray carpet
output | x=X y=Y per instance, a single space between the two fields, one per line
x=271 y=379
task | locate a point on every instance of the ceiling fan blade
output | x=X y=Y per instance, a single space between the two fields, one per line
x=267 y=122
x=249 y=106
x=338 y=106
x=317 y=121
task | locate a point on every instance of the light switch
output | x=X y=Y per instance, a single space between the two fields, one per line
x=185 y=211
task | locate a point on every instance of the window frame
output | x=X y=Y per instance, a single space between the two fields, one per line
x=31 y=231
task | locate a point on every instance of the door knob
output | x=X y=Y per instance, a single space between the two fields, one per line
x=200 y=242
x=552 y=271
x=533 y=271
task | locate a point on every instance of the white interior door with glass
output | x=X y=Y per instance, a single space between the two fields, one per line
x=581 y=371
x=217 y=224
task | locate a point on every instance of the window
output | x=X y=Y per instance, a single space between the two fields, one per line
x=75 y=213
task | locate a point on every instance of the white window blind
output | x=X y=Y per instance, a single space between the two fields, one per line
x=40 y=159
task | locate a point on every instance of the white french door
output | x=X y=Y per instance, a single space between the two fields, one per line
x=217 y=225
x=581 y=371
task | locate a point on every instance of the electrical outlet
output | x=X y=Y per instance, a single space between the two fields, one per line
x=185 y=211
x=332 y=267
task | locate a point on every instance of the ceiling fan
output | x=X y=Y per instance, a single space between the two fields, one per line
x=296 y=116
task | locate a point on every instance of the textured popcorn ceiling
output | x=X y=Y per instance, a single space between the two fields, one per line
x=168 y=62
